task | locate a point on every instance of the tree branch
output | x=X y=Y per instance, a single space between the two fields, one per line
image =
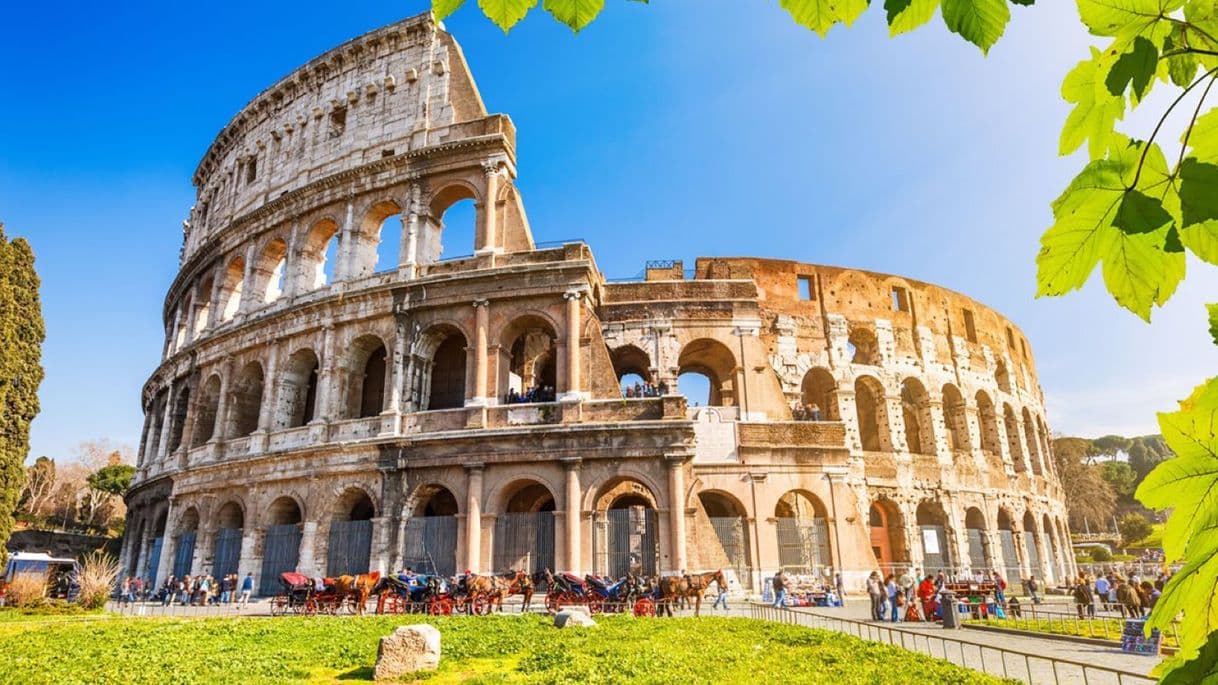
x=1142 y=161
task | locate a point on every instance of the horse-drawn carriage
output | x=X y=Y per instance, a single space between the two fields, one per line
x=405 y=594
x=308 y=596
x=602 y=595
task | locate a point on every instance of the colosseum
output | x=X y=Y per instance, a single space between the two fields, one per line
x=339 y=393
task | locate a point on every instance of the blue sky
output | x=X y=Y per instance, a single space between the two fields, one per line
x=670 y=130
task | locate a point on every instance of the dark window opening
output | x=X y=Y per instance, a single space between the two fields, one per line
x=900 y=299
x=970 y=326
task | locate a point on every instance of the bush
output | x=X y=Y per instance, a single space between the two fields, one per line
x=1101 y=554
x=1134 y=528
x=98 y=574
x=27 y=590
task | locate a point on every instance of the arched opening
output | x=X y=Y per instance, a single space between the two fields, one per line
x=990 y=441
x=1033 y=443
x=872 y=412
x=450 y=229
x=137 y=545
x=715 y=362
x=1012 y=426
x=728 y=518
x=633 y=369
x=955 y=415
x=1001 y=376
x=155 y=547
x=281 y=546
x=529 y=372
x=1006 y=538
x=181 y=407
x=887 y=529
x=802 y=527
x=203 y=314
x=245 y=401
x=367 y=371
x=230 y=525
x=182 y=319
x=270 y=271
x=230 y=292
x=430 y=545
x=919 y=424
x=318 y=256
x=1031 y=546
x=1056 y=565
x=184 y=542
x=205 y=419
x=385 y=234
x=524 y=533
x=298 y=390
x=629 y=539
x=157 y=424
x=936 y=545
x=862 y=346
x=442 y=363
x=978 y=545
x=349 y=551
x=818 y=396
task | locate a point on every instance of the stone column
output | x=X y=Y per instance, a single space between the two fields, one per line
x=409 y=257
x=325 y=379
x=166 y=425
x=571 y=382
x=489 y=224
x=307 y=558
x=390 y=418
x=165 y=566
x=379 y=554
x=346 y=248
x=473 y=517
x=676 y=510
x=221 y=428
x=482 y=323
x=266 y=411
x=247 y=300
x=249 y=561
x=214 y=313
x=573 y=516
x=937 y=419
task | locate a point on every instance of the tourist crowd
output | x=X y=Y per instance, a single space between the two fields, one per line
x=543 y=393
x=644 y=390
x=1134 y=596
x=190 y=590
x=805 y=412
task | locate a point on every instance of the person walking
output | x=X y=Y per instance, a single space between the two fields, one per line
x=895 y=595
x=247 y=589
x=1101 y=591
x=721 y=598
x=1082 y=595
x=780 y=590
x=875 y=591
x=1033 y=589
x=1000 y=589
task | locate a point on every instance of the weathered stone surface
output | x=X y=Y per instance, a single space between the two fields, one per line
x=573 y=617
x=410 y=649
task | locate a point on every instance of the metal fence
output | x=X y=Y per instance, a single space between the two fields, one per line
x=1102 y=625
x=1034 y=669
x=280 y=554
x=632 y=542
x=803 y=545
x=430 y=546
x=734 y=538
x=524 y=541
x=349 y=549
x=228 y=552
x=183 y=554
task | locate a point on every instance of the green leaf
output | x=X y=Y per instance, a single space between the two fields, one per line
x=1138 y=213
x=907 y=15
x=1135 y=66
x=442 y=9
x=574 y=13
x=1213 y=310
x=1095 y=113
x=1199 y=208
x=822 y=15
x=1181 y=68
x=1202 y=670
x=1193 y=591
x=1203 y=140
x=506 y=13
x=1111 y=17
x=980 y=22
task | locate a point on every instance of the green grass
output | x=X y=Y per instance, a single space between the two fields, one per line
x=497 y=649
x=1095 y=628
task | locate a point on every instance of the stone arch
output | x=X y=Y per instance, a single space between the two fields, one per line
x=434 y=499
x=430 y=544
x=269 y=272
x=318 y=255
x=442 y=368
x=871 y=408
x=631 y=360
x=284 y=510
x=177 y=425
x=955 y=415
x=721 y=504
x=1031 y=544
x=1012 y=426
x=716 y=362
x=231 y=514
x=203 y=315
x=1045 y=446
x=206 y=407
x=232 y=289
x=528 y=357
x=245 y=401
x=979 y=552
x=297 y=396
x=281 y=541
x=862 y=346
x=377 y=243
x=919 y=422
x=729 y=519
x=349 y=544
x=438 y=241
x=185 y=534
x=628 y=531
x=819 y=388
x=802 y=529
x=229 y=522
x=367 y=371
x=935 y=529
x=987 y=416
x=1002 y=377
x=1033 y=443
x=524 y=528
x=1054 y=564
x=1007 y=540
x=887 y=527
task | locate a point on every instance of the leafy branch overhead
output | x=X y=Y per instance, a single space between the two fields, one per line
x=1137 y=208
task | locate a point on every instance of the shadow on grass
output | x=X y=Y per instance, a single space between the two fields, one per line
x=362 y=673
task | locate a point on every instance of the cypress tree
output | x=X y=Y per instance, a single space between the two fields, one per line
x=21 y=334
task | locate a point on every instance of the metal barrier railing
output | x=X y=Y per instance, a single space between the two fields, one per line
x=155 y=608
x=1028 y=668
x=1104 y=624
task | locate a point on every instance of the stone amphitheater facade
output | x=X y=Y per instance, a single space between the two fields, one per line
x=315 y=412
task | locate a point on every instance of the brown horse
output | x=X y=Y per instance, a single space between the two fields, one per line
x=674 y=588
x=357 y=589
x=519 y=583
x=488 y=591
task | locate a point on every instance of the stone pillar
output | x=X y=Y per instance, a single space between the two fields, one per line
x=482 y=323
x=490 y=239
x=379 y=555
x=346 y=247
x=408 y=259
x=221 y=428
x=166 y=425
x=676 y=511
x=473 y=517
x=573 y=516
x=939 y=428
x=307 y=559
x=247 y=300
x=397 y=378
x=266 y=411
x=165 y=566
x=214 y=314
x=325 y=379
x=249 y=560
x=571 y=382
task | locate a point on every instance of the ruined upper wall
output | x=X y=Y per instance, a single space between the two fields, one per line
x=398 y=88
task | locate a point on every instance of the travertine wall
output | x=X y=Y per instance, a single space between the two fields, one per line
x=310 y=396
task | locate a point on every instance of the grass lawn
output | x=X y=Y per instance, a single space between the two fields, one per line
x=1097 y=628
x=497 y=649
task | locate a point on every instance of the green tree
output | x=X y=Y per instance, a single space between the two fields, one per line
x=1090 y=500
x=1120 y=476
x=21 y=335
x=1111 y=445
x=1134 y=528
x=39 y=489
x=113 y=479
